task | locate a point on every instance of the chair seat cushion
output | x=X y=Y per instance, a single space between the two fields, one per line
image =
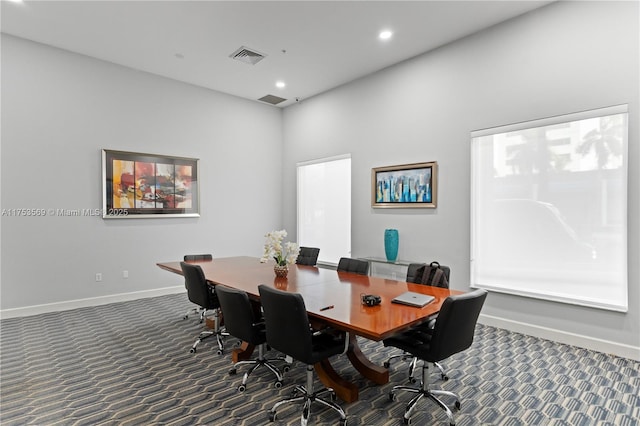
x=257 y=336
x=416 y=341
x=324 y=345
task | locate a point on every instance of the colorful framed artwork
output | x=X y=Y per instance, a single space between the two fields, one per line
x=137 y=185
x=405 y=186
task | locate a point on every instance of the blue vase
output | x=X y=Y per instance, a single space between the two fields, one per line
x=391 y=244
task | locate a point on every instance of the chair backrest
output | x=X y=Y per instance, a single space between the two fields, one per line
x=195 y=257
x=454 y=329
x=357 y=266
x=239 y=317
x=287 y=323
x=308 y=256
x=198 y=290
x=416 y=270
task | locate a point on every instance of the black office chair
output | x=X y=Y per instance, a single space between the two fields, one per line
x=357 y=266
x=308 y=256
x=453 y=332
x=242 y=321
x=190 y=258
x=289 y=332
x=197 y=257
x=203 y=295
x=415 y=272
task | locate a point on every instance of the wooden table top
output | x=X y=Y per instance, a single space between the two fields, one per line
x=322 y=287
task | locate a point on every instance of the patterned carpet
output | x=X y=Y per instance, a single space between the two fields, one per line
x=129 y=364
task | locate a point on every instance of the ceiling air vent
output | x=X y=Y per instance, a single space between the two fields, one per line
x=248 y=56
x=272 y=99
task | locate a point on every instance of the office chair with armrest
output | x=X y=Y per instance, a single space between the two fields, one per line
x=203 y=295
x=453 y=332
x=289 y=332
x=414 y=275
x=191 y=258
x=357 y=266
x=308 y=256
x=241 y=321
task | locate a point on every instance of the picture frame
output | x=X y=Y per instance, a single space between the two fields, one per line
x=140 y=185
x=405 y=186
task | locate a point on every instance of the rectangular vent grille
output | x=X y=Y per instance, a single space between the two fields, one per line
x=272 y=99
x=246 y=55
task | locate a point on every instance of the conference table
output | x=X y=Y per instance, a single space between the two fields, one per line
x=332 y=298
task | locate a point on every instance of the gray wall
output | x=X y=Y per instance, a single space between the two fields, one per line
x=59 y=110
x=559 y=59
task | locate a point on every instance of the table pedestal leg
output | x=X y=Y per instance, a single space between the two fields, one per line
x=243 y=352
x=371 y=371
x=346 y=390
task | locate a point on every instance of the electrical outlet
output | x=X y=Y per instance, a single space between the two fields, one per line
x=125 y=274
x=98 y=277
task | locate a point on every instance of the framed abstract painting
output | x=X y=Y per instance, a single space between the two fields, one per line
x=138 y=185
x=405 y=186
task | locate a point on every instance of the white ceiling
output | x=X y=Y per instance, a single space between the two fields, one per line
x=313 y=46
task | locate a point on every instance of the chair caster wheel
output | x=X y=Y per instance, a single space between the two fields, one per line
x=192 y=350
x=457 y=405
x=333 y=396
x=406 y=421
x=413 y=380
x=242 y=388
x=386 y=364
x=392 y=396
x=219 y=351
x=444 y=377
x=185 y=317
x=278 y=384
x=233 y=372
x=343 y=422
x=272 y=416
x=286 y=369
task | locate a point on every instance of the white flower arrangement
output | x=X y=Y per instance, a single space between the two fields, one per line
x=283 y=254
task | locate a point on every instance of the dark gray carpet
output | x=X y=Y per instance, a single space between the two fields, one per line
x=129 y=364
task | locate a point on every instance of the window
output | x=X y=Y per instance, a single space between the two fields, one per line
x=549 y=208
x=324 y=207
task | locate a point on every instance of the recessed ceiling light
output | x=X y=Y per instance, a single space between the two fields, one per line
x=280 y=84
x=385 y=35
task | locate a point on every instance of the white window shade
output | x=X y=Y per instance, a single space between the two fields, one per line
x=549 y=208
x=324 y=207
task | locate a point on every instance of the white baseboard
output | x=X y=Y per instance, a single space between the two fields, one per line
x=605 y=346
x=92 y=301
